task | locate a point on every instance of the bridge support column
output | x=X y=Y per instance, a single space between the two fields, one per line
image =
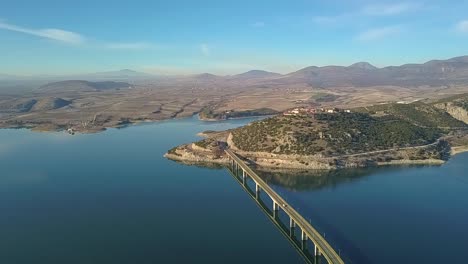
x=304 y=240
x=275 y=209
x=244 y=177
x=275 y=206
x=292 y=227
x=291 y=231
x=291 y=222
x=316 y=251
x=257 y=191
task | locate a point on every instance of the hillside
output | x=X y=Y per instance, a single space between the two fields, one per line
x=83 y=86
x=456 y=106
x=330 y=134
x=418 y=113
x=20 y=105
x=52 y=103
x=208 y=113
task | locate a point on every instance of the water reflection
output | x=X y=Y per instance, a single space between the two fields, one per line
x=302 y=247
x=308 y=180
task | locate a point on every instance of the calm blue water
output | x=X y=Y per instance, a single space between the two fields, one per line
x=112 y=198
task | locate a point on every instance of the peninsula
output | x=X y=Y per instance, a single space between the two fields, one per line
x=321 y=138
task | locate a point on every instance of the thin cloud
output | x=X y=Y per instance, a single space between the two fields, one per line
x=390 y=9
x=333 y=20
x=130 y=46
x=205 y=49
x=258 y=24
x=76 y=39
x=365 y=12
x=379 y=33
x=462 y=26
x=49 y=33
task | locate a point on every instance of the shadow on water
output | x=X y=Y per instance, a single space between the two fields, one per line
x=315 y=180
x=305 y=180
x=288 y=232
x=310 y=180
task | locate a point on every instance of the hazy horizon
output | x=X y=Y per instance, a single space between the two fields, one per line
x=155 y=74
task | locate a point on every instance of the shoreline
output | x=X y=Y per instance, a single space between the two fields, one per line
x=48 y=127
x=59 y=128
x=224 y=161
x=231 y=118
x=186 y=153
x=458 y=150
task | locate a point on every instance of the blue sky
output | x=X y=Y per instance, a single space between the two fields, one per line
x=224 y=37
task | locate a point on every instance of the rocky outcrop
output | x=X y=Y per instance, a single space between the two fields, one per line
x=455 y=111
x=194 y=153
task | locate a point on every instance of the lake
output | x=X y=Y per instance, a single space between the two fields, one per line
x=112 y=198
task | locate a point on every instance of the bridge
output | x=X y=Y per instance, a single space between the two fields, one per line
x=308 y=232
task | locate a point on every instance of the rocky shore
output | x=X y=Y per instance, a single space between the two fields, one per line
x=210 y=150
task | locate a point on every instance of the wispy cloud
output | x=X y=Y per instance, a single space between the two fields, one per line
x=334 y=20
x=462 y=26
x=366 y=12
x=390 y=9
x=205 y=49
x=49 y=33
x=258 y=24
x=76 y=38
x=130 y=46
x=379 y=33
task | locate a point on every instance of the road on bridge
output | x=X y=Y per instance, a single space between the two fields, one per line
x=328 y=252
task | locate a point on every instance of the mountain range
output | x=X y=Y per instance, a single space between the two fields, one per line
x=363 y=74
x=453 y=71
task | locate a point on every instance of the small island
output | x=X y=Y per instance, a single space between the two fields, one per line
x=332 y=138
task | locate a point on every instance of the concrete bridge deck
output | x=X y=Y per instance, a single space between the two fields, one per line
x=308 y=232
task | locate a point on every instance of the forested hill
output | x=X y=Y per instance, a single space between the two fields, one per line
x=364 y=130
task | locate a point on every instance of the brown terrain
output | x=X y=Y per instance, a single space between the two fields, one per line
x=91 y=103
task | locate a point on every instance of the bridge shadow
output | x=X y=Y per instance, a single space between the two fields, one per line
x=307 y=181
x=302 y=247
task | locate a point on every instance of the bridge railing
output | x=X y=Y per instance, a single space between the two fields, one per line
x=308 y=232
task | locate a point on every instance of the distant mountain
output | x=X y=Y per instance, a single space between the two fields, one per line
x=432 y=73
x=124 y=74
x=206 y=77
x=332 y=76
x=362 y=74
x=83 y=86
x=256 y=74
x=363 y=65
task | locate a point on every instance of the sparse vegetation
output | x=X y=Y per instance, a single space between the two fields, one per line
x=417 y=113
x=209 y=113
x=324 y=97
x=331 y=134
